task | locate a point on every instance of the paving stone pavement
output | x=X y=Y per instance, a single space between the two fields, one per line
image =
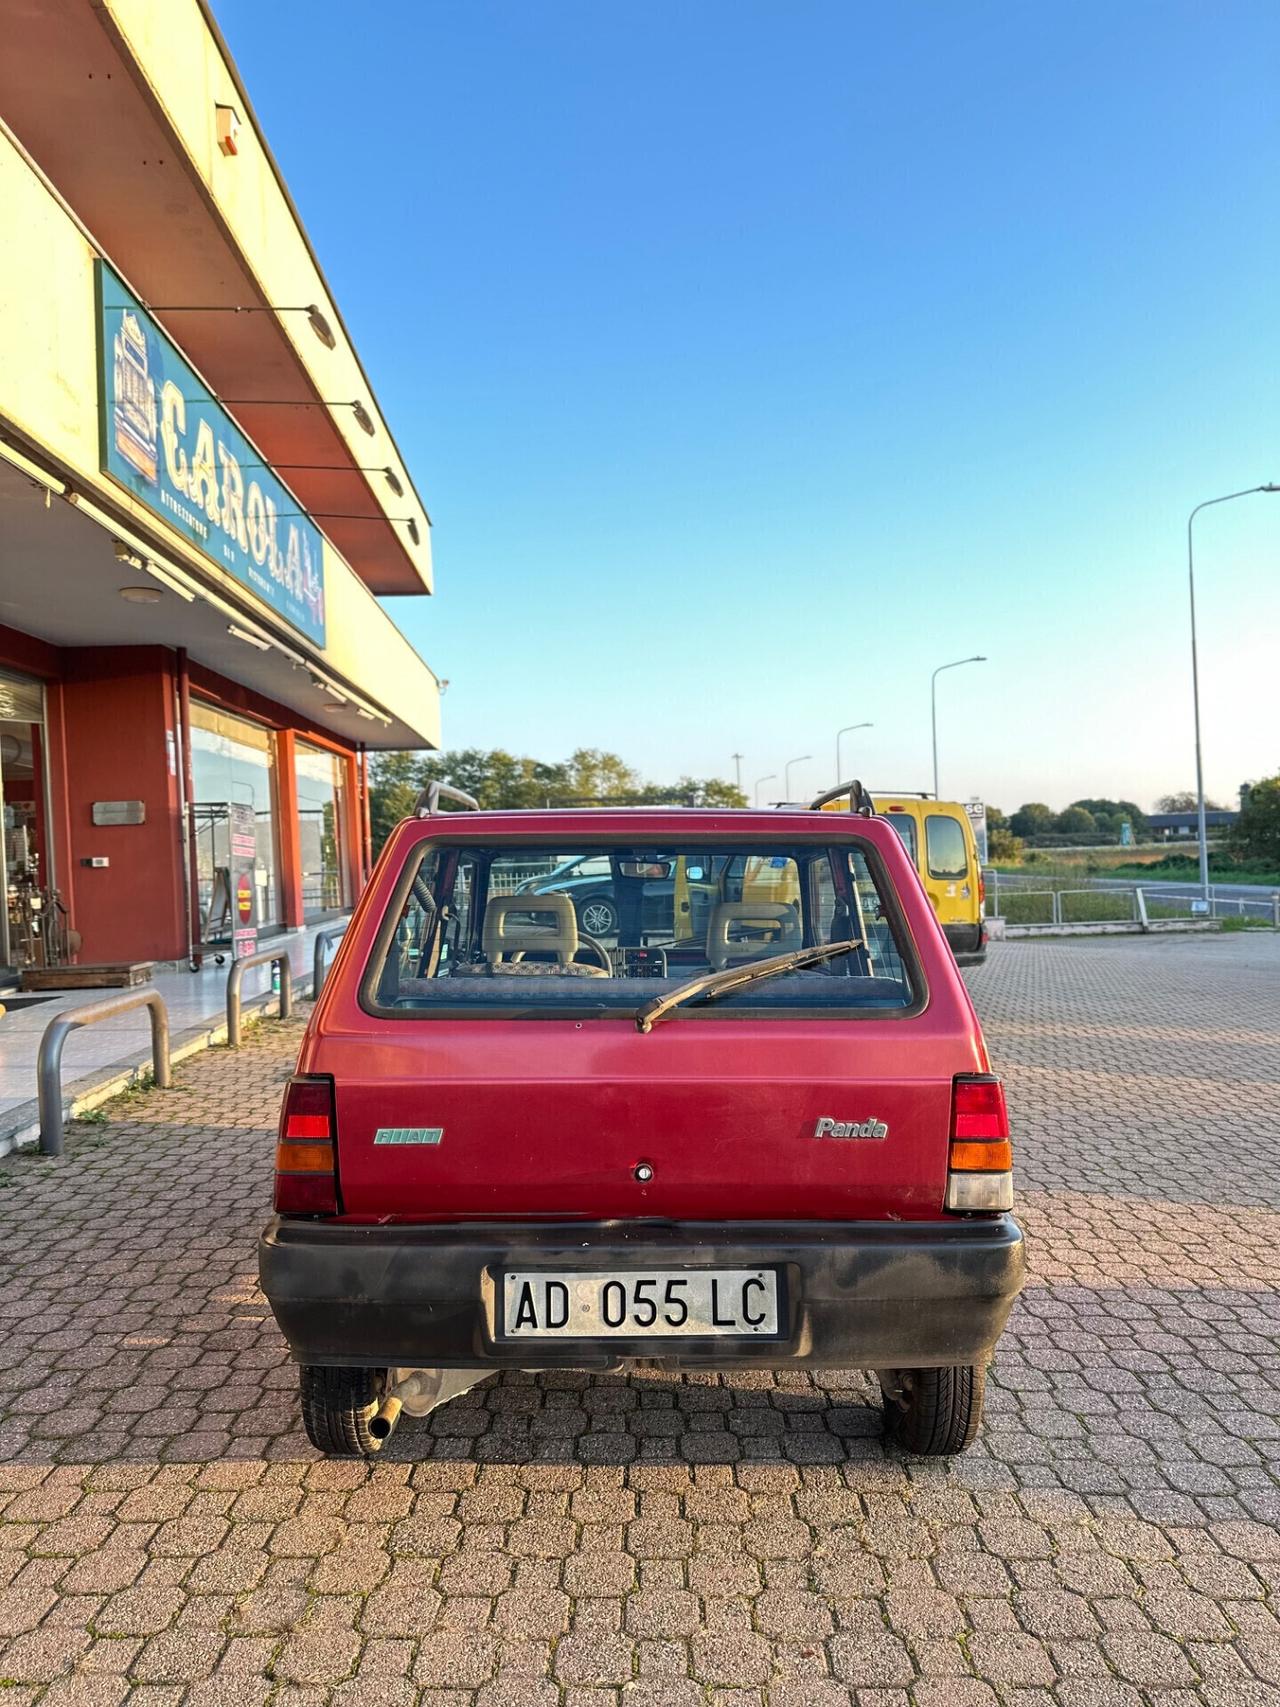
x=168 y=1536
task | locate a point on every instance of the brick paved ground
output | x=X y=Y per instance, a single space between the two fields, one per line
x=168 y=1536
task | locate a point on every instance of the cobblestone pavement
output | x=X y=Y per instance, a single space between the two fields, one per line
x=168 y=1536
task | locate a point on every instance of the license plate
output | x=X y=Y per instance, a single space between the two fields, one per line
x=655 y=1303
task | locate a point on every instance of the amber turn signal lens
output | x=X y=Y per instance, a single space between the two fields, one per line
x=292 y=1158
x=991 y=1155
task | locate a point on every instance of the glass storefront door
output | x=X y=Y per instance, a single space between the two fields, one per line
x=322 y=830
x=32 y=922
x=232 y=761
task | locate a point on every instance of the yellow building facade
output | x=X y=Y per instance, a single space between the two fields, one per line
x=200 y=502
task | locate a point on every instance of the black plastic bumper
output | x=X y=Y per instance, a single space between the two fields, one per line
x=967 y=942
x=858 y=1294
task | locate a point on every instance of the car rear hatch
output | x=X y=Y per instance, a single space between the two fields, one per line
x=702 y=1118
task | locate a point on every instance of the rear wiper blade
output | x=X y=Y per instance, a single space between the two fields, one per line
x=716 y=984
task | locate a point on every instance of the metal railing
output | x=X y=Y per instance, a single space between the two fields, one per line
x=1025 y=899
x=318 y=955
x=264 y=957
x=49 y=1060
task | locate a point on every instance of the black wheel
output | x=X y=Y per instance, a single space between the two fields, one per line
x=598 y=916
x=933 y=1413
x=337 y=1407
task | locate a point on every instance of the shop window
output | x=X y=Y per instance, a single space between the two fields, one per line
x=322 y=830
x=232 y=762
x=33 y=924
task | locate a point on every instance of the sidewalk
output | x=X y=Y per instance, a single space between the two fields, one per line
x=101 y=1058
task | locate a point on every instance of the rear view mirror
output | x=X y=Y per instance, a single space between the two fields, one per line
x=646 y=868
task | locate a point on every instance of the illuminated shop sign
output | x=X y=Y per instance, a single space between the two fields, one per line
x=166 y=438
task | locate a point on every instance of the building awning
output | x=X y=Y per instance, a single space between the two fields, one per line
x=175 y=225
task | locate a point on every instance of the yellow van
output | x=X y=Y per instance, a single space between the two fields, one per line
x=939 y=837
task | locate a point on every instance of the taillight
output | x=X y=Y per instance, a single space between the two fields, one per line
x=980 y=1165
x=306 y=1171
x=982 y=890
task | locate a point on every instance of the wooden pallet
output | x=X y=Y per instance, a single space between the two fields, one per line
x=122 y=975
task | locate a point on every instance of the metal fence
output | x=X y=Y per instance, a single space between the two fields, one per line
x=1029 y=900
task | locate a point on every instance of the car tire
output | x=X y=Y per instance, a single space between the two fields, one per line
x=597 y=916
x=933 y=1413
x=337 y=1407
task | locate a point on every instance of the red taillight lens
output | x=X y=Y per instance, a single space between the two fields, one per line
x=977 y=1107
x=306 y=1165
x=982 y=890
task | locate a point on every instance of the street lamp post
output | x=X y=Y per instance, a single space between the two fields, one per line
x=737 y=769
x=1195 y=677
x=772 y=777
x=848 y=728
x=786 y=787
x=977 y=658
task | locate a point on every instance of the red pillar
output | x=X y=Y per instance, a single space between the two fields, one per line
x=119 y=743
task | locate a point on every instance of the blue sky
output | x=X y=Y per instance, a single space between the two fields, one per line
x=753 y=359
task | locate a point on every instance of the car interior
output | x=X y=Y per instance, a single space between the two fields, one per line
x=489 y=916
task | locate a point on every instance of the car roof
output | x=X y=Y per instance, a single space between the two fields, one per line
x=630 y=820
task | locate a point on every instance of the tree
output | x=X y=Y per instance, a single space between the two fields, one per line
x=1075 y=821
x=496 y=778
x=1110 y=814
x=1034 y=819
x=1256 y=832
x=1003 y=846
x=392 y=791
x=1185 y=802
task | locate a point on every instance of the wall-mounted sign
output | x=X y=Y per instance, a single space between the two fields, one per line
x=165 y=438
x=119 y=811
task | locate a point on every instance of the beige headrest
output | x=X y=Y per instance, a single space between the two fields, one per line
x=543 y=924
x=725 y=944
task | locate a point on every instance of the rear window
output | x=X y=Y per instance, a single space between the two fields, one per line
x=945 y=847
x=601 y=930
x=905 y=826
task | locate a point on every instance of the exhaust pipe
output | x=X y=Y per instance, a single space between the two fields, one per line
x=385 y=1419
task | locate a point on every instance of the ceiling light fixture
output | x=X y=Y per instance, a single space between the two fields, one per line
x=141 y=595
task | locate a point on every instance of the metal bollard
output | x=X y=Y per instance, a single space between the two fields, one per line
x=323 y=939
x=264 y=957
x=60 y=1027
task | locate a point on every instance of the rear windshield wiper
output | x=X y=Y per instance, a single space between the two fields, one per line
x=712 y=985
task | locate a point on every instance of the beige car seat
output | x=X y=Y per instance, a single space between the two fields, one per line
x=727 y=941
x=516 y=925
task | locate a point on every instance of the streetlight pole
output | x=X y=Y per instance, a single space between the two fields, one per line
x=772 y=777
x=1195 y=677
x=786 y=787
x=848 y=728
x=977 y=658
x=737 y=769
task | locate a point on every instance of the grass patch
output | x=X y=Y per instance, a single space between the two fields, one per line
x=1181 y=869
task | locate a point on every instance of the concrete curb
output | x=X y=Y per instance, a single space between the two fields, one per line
x=1116 y=927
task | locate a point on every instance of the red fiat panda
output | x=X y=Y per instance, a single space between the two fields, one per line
x=752 y=1125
